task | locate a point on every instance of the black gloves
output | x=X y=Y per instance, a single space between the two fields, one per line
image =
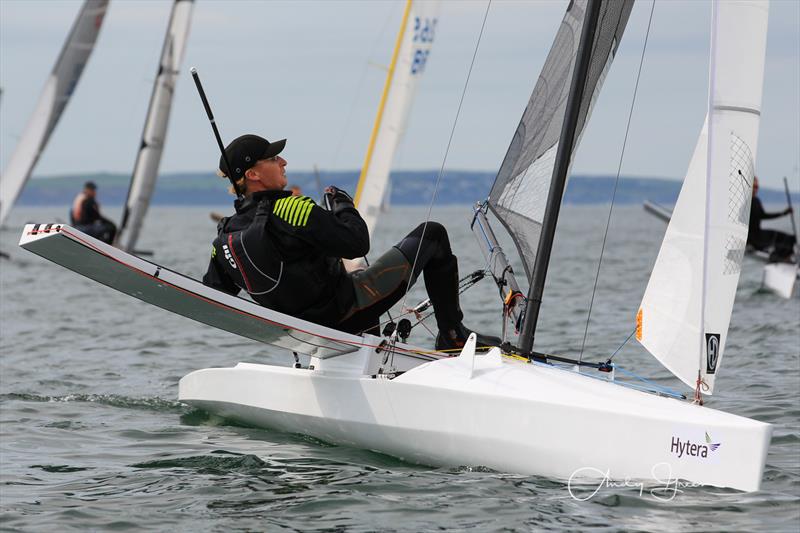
x=336 y=200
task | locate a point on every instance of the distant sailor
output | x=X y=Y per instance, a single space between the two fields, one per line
x=295 y=190
x=85 y=215
x=779 y=244
x=286 y=252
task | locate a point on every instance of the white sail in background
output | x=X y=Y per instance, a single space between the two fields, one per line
x=684 y=317
x=145 y=171
x=414 y=41
x=57 y=90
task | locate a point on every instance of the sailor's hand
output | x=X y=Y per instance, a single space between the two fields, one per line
x=336 y=199
x=338 y=193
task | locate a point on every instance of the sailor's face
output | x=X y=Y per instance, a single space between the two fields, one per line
x=271 y=173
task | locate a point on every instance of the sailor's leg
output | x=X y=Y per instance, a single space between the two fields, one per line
x=440 y=269
x=430 y=244
x=110 y=231
x=784 y=245
x=384 y=283
x=377 y=289
x=778 y=245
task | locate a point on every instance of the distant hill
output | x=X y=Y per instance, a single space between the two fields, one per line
x=408 y=188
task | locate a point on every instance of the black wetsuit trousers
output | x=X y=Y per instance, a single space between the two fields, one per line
x=386 y=280
x=779 y=244
x=102 y=229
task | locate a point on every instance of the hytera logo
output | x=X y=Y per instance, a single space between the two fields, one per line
x=712 y=352
x=228 y=255
x=687 y=447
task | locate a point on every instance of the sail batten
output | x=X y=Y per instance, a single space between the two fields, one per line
x=685 y=312
x=151 y=147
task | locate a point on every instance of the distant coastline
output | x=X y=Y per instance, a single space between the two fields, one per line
x=408 y=188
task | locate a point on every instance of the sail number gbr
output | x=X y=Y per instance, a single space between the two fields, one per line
x=424 y=32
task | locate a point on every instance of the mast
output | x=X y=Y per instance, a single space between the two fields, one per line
x=563 y=158
x=708 y=198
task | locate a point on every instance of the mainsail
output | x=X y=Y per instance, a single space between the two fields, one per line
x=145 y=171
x=414 y=41
x=57 y=90
x=519 y=194
x=686 y=309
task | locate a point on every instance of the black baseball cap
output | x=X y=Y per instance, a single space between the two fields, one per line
x=245 y=151
x=90 y=185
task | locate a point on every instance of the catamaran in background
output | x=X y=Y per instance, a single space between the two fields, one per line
x=778 y=277
x=56 y=94
x=61 y=85
x=515 y=409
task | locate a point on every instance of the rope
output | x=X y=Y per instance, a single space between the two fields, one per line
x=447 y=150
x=653 y=385
x=463 y=284
x=621 y=345
x=616 y=180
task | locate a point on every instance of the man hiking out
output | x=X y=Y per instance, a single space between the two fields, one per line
x=779 y=244
x=85 y=215
x=286 y=252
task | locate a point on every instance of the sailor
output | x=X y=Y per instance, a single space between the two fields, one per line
x=295 y=190
x=779 y=244
x=85 y=215
x=286 y=252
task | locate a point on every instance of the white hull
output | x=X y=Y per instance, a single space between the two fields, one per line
x=497 y=412
x=781 y=278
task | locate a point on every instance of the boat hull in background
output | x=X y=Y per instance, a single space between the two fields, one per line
x=781 y=278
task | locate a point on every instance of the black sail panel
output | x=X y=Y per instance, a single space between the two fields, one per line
x=519 y=194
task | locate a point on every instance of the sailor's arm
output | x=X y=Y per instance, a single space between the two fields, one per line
x=777 y=214
x=338 y=232
x=216 y=278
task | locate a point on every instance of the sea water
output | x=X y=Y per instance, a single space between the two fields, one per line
x=92 y=436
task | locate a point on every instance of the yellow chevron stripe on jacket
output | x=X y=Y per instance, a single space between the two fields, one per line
x=294 y=209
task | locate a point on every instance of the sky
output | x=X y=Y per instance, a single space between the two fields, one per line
x=313 y=71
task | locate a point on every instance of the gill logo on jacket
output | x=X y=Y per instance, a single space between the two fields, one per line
x=294 y=209
x=228 y=255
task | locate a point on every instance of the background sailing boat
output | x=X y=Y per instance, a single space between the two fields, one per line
x=56 y=94
x=148 y=158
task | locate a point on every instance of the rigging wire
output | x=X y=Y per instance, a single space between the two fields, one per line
x=621 y=346
x=616 y=181
x=417 y=311
x=447 y=149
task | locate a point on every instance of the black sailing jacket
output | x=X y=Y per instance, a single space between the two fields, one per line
x=755 y=235
x=286 y=251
